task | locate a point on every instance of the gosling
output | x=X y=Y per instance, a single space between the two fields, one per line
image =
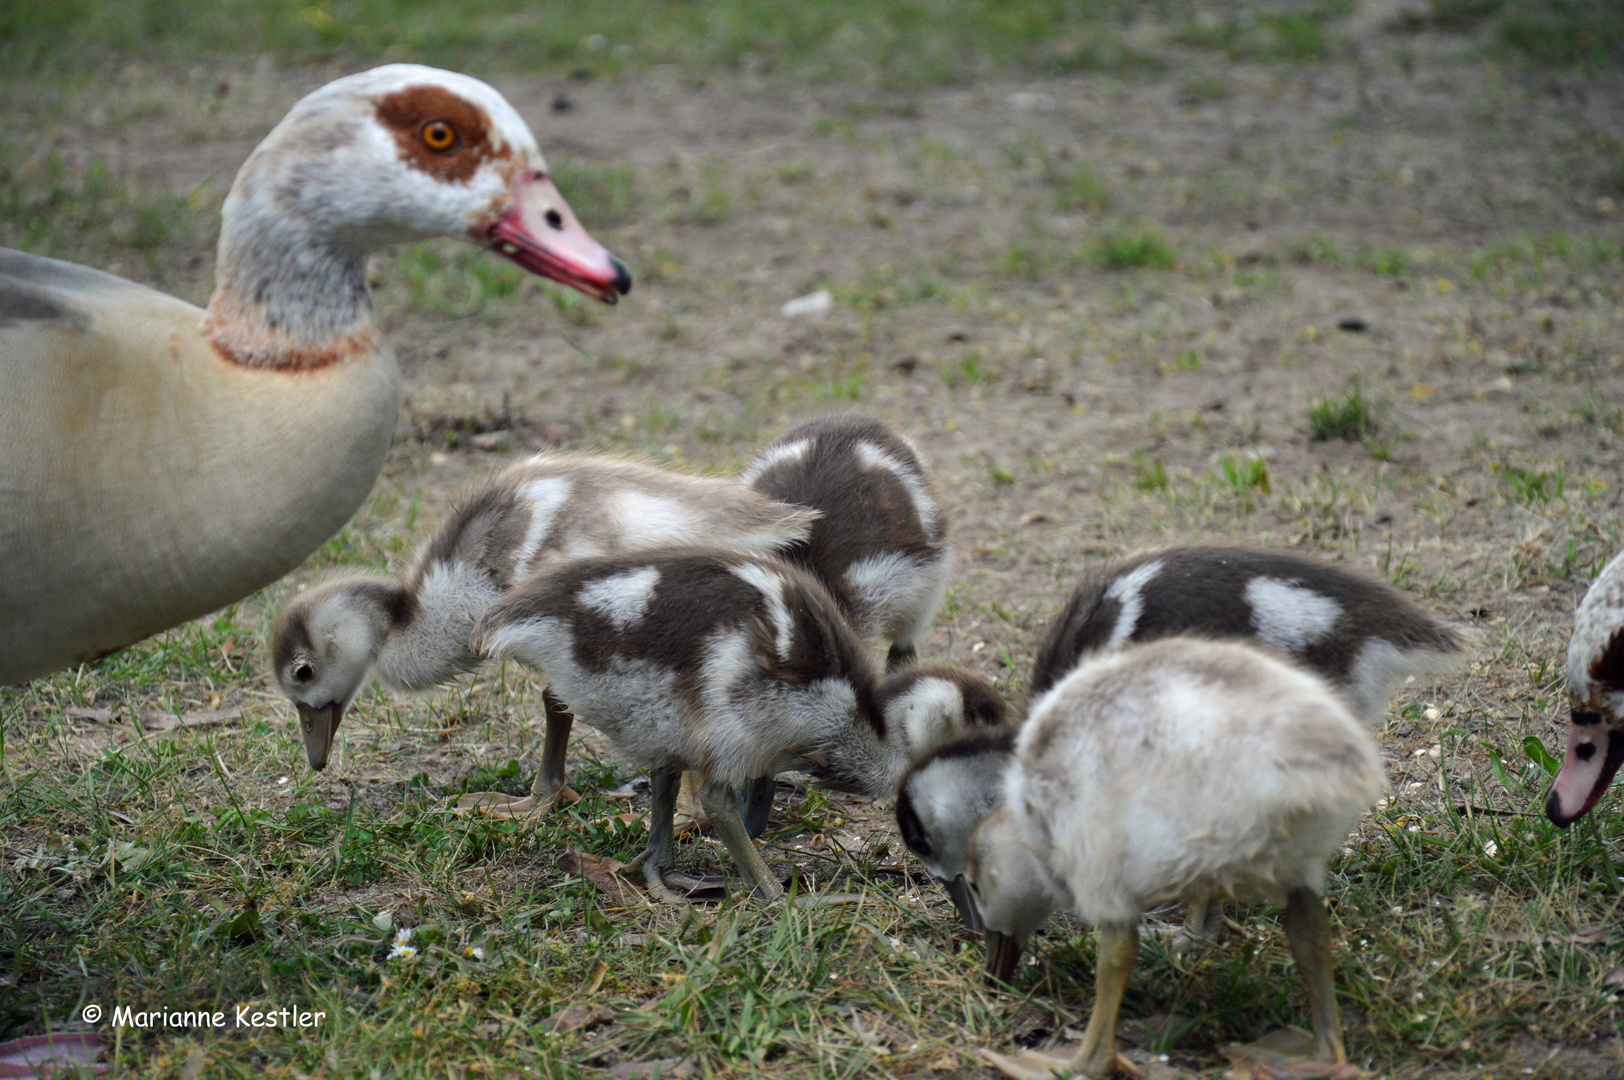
x=1179 y=770
x=413 y=632
x=732 y=667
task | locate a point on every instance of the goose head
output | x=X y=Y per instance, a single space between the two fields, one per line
x=397 y=154
x=324 y=645
x=945 y=795
x=1596 y=699
x=1010 y=888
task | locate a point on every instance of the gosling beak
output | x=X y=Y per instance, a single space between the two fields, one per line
x=1595 y=752
x=542 y=235
x=959 y=891
x=319 y=725
x=1003 y=953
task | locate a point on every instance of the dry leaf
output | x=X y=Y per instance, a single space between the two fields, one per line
x=49 y=1055
x=1614 y=977
x=155 y=721
x=601 y=872
x=1286 y=1054
x=193 y=1067
x=80 y=712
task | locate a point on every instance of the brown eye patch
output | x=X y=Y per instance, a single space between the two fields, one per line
x=438 y=132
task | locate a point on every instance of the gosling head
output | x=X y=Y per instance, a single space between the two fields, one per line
x=325 y=643
x=944 y=796
x=1012 y=890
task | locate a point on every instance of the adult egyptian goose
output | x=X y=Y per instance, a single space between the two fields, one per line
x=730 y=666
x=1179 y=770
x=880 y=547
x=158 y=461
x=1595 y=697
x=413 y=631
x=1360 y=635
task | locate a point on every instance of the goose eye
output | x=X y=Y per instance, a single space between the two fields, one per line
x=439 y=135
x=304 y=672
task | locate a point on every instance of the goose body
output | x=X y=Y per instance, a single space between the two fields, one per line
x=1178 y=770
x=159 y=460
x=729 y=666
x=413 y=632
x=880 y=546
x=1361 y=636
x=1595 y=747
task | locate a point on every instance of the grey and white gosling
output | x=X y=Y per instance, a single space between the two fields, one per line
x=1364 y=637
x=412 y=632
x=1596 y=699
x=880 y=547
x=1179 y=770
x=734 y=667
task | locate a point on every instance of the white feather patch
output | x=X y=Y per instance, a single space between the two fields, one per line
x=772 y=588
x=1125 y=590
x=544 y=497
x=1287 y=617
x=872 y=457
x=775 y=455
x=622 y=598
x=656 y=520
x=928 y=712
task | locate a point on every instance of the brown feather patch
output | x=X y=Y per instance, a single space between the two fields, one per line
x=407 y=112
x=1608 y=668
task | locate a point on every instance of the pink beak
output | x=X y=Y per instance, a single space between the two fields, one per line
x=1595 y=751
x=542 y=235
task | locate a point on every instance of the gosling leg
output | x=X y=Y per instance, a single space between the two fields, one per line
x=1118 y=948
x=548 y=790
x=722 y=804
x=1308 y=928
x=655 y=858
x=756 y=804
x=1203 y=925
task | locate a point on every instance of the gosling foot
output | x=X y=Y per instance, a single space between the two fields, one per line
x=1053 y=1065
x=499 y=805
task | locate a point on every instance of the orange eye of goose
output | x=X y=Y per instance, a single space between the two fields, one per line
x=438 y=135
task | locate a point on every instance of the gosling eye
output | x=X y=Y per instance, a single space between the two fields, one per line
x=303 y=672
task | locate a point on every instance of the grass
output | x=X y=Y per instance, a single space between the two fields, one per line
x=1122 y=249
x=1349 y=417
x=897 y=40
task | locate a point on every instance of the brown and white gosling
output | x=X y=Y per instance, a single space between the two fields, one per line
x=413 y=632
x=1364 y=637
x=730 y=666
x=1596 y=698
x=880 y=547
x=1179 y=770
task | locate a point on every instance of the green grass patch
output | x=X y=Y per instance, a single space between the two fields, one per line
x=1119 y=249
x=1349 y=416
x=897 y=41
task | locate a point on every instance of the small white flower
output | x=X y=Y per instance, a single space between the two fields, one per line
x=476 y=951
x=403 y=952
x=403 y=936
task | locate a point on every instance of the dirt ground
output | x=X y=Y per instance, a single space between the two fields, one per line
x=1440 y=231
